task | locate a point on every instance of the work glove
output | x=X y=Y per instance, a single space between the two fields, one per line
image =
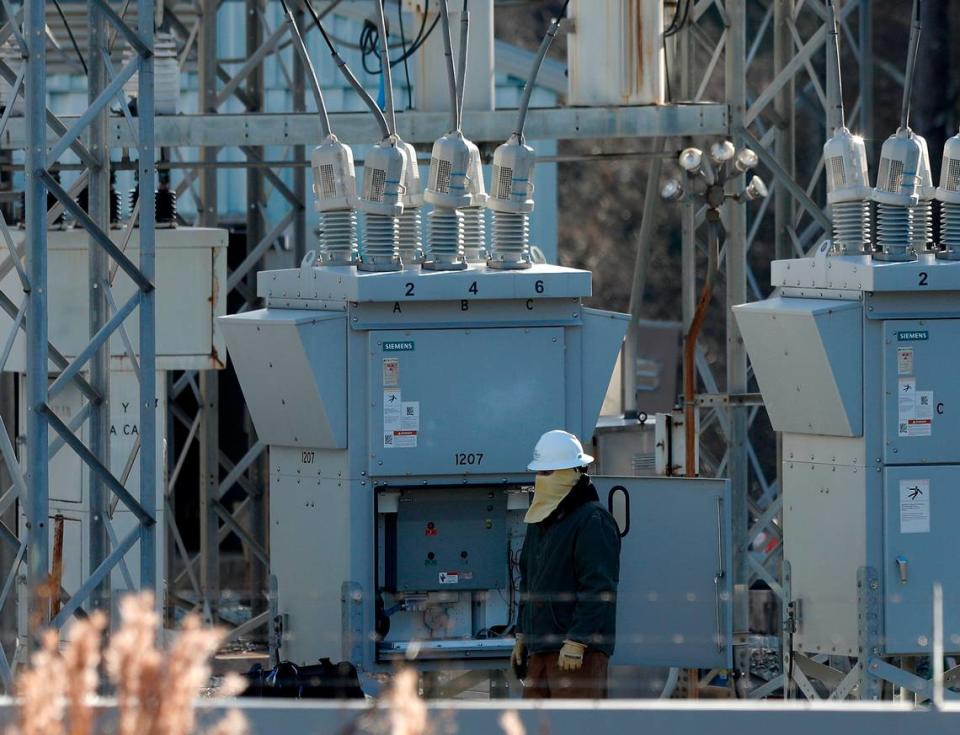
x=518 y=657
x=571 y=656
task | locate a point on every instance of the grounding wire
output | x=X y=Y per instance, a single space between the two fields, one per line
x=387 y=71
x=315 y=83
x=916 y=25
x=451 y=69
x=535 y=71
x=462 y=60
x=348 y=75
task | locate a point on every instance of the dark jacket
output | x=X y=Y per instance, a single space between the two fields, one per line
x=569 y=570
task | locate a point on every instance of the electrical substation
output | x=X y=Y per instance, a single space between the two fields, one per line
x=293 y=380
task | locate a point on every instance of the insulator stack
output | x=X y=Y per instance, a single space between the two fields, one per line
x=446 y=240
x=511 y=199
x=166 y=207
x=949 y=231
x=380 y=250
x=411 y=235
x=166 y=75
x=922 y=232
x=475 y=234
x=381 y=202
x=851 y=226
x=848 y=192
x=895 y=232
x=948 y=194
x=511 y=241
x=897 y=195
x=337 y=237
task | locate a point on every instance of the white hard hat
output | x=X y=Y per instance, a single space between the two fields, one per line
x=558 y=450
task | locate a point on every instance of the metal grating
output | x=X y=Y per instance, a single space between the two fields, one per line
x=502 y=182
x=953 y=174
x=328 y=181
x=891 y=175
x=374 y=184
x=440 y=171
x=838 y=171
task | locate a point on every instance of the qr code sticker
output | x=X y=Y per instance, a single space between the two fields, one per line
x=388 y=440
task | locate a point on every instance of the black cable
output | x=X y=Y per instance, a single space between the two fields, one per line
x=406 y=66
x=76 y=46
x=678 y=23
x=369 y=42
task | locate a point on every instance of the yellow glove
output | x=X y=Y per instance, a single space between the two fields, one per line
x=571 y=656
x=518 y=657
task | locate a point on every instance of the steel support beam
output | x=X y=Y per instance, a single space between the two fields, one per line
x=736 y=283
x=98 y=207
x=212 y=129
x=35 y=192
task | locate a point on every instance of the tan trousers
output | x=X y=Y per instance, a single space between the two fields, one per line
x=545 y=680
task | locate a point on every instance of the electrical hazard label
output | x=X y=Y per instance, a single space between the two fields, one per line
x=914 y=506
x=914 y=408
x=401 y=421
x=905 y=361
x=449 y=578
x=391 y=372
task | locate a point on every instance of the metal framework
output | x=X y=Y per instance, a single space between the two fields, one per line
x=773 y=56
x=47 y=139
x=758 y=62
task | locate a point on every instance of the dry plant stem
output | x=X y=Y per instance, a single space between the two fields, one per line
x=408 y=713
x=155 y=690
x=41 y=690
x=510 y=723
x=81 y=659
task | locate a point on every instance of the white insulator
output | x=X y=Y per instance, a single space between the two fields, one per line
x=949 y=231
x=10 y=53
x=380 y=250
x=475 y=234
x=894 y=232
x=510 y=246
x=166 y=75
x=338 y=237
x=923 y=226
x=411 y=235
x=445 y=245
x=851 y=227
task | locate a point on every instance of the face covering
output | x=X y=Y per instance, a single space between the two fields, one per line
x=548 y=491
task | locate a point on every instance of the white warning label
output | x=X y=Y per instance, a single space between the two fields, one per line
x=391 y=372
x=914 y=409
x=914 y=506
x=905 y=361
x=449 y=578
x=401 y=421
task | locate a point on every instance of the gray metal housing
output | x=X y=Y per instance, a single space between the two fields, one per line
x=856 y=361
x=367 y=386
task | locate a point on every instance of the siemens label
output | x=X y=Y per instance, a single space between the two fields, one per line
x=398 y=346
x=915 y=336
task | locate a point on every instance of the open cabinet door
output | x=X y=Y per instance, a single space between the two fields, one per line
x=675 y=599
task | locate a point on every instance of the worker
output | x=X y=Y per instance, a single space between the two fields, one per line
x=569 y=570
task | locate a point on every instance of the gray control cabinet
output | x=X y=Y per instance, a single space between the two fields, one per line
x=856 y=360
x=674 y=602
x=392 y=401
x=447 y=539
